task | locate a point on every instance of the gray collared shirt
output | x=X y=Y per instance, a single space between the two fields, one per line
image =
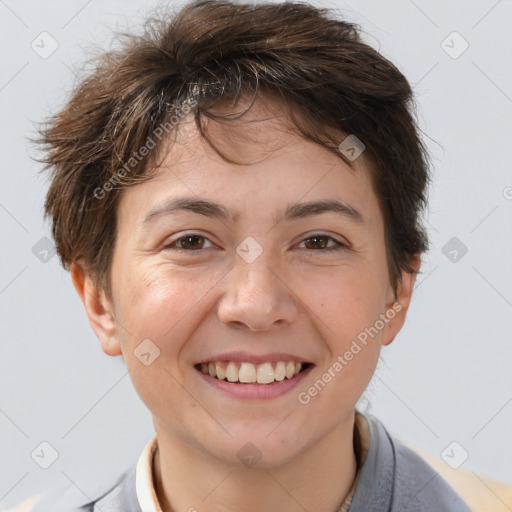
x=393 y=479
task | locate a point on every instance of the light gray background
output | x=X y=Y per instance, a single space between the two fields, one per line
x=447 y=377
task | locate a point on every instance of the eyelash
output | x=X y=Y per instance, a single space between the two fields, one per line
x=338 y=245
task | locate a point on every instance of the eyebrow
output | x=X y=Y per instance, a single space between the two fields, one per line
x=215 y=210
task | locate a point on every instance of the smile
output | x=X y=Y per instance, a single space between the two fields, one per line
x=249 y=373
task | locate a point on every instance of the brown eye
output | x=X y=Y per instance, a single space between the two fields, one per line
x=327 y=243
x=316 y=242
x=189 y=242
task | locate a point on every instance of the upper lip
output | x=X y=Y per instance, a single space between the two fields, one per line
x=245 y=357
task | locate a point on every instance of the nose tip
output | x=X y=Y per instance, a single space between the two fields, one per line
x=255 y=319
x=257 y=299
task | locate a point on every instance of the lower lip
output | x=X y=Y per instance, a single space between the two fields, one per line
x=255 y=391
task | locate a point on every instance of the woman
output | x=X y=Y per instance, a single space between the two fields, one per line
x=237 y=195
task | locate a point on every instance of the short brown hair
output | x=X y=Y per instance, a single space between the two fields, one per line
x=210 y=52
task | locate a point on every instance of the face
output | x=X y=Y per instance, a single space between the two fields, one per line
x=275 y=262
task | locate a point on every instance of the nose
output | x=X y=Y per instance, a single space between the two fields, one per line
x=257 y=298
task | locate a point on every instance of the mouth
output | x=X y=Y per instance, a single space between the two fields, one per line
x=267 y=373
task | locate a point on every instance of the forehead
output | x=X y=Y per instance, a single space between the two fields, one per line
x=274 y=164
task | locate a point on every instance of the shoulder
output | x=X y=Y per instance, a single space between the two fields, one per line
x=420 y=487
x=69 y=498
x=424 y=481
x=414 y=486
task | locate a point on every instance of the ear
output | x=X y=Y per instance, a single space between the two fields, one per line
x=396 y=308
x=99 y=310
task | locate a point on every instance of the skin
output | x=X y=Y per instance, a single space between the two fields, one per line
x=296 y=297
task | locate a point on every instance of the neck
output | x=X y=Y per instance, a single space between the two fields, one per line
x=319 y=479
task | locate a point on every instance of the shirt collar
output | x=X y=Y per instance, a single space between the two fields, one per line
x=145 y=488
x=144 y=484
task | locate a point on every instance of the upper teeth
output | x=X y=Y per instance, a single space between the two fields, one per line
x=264 y=373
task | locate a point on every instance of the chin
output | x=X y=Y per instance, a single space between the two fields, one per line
x=256 y=448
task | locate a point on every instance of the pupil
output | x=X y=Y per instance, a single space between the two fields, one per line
x=189 y=240
x=318 y=241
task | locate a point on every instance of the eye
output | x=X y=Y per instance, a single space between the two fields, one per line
x=195 y=242
x=321 y=241
x=192 y=242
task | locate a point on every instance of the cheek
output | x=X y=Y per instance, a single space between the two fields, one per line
x=162 y=304
x=347 y=318
x=348 y=308
x=153 y=315
x=148 y=305
x=346 y=302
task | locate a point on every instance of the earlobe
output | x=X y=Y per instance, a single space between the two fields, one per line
x=398 y=307
x=98 y=309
